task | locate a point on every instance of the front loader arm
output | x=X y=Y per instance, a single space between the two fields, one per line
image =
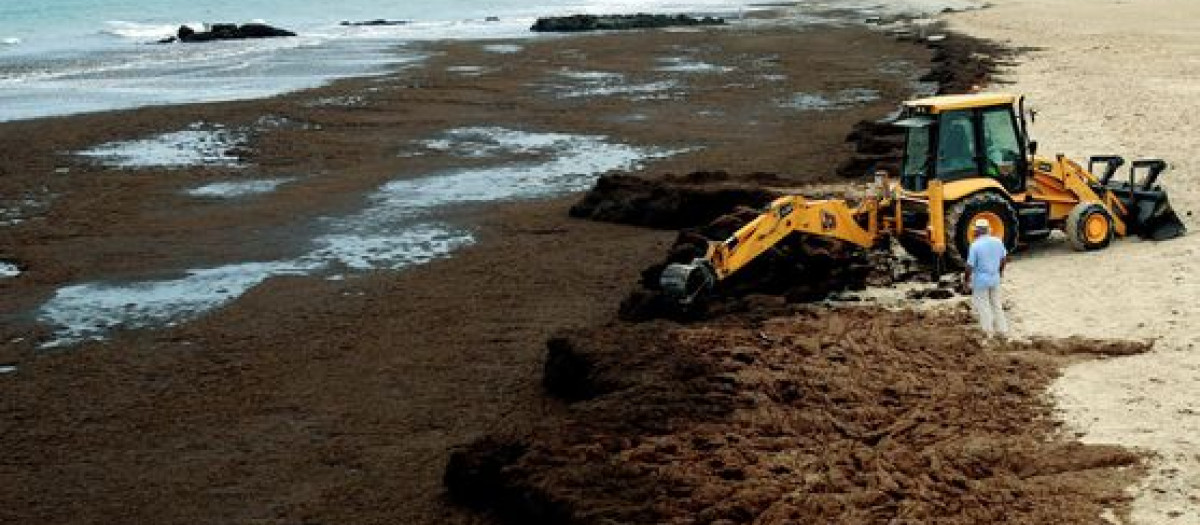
x=833 y=219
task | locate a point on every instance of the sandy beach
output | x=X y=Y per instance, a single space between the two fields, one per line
x=1117 y=78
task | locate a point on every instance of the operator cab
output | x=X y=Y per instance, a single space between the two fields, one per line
x=954 y=137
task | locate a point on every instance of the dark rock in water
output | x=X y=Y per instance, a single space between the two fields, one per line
x=577 y=23
x=376 y=22
x=492 y=19
x=227 y=32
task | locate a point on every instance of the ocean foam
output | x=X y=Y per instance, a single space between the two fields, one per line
x=644 y=91
x=143 y=32
x=686 y=65
x=607 y=84
x=388 y=251
x=8 y=270
x=200 y=145
x=231 y=190
x=10 y=41
x=842 y=99
x=345 y=101
x=470 y=71
x=503 y=49
x=483 y=142
x=591 y=76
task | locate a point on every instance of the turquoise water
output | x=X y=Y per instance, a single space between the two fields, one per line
x=61 y=57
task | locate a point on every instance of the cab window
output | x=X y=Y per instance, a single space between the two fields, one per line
x=916 y=159
x=956 y=146
x=1003 y=147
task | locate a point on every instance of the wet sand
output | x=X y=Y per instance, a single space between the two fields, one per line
x=309 y=399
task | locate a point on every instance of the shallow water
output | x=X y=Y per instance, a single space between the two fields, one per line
x=236 y=189
x=202 y=144
x=402 y=224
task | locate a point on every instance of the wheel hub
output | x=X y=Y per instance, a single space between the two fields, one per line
x=995 y=225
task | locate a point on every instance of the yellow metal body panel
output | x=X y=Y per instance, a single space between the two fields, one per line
x=957 y=189
x=938 y=104
x=937 y=216
x=1063 y=183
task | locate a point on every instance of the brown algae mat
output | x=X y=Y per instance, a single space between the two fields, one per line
x=798 y=414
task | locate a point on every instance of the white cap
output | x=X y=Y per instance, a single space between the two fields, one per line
x=982 y=224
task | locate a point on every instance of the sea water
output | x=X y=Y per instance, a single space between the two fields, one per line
x=60 y=57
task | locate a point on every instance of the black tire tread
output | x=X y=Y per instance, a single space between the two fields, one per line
x=1074 y=227
x=956 y=253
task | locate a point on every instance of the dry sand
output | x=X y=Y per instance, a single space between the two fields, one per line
x=1118 y=77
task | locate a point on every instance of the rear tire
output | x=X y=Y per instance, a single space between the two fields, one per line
x=1089 y=227
x=961 y=218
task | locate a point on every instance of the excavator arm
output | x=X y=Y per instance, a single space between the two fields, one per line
x=833 y=219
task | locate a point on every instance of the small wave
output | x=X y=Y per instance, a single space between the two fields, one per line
x=11 y=41
x=140 y=31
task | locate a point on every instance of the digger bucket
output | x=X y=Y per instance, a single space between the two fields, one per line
x=1150 y=213
x=688 y=282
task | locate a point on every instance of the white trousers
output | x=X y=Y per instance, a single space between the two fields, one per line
x=990 y=311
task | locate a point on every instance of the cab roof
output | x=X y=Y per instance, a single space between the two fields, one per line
x=942 y=103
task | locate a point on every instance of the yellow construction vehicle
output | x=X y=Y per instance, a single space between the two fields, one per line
x=966 y=157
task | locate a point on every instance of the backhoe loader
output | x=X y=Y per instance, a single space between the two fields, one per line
x=966 y=157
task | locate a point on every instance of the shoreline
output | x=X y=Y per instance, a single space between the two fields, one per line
x=257 y=68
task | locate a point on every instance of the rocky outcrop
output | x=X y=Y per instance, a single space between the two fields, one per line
x=227 y=32
x=578 y=23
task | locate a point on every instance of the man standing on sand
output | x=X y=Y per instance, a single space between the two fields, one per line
x=985 y=265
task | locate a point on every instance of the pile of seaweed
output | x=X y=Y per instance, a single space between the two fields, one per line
x=796 y=414
x=577 y=23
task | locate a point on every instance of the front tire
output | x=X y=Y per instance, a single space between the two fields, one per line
x=960 y=220
x=1089 y=227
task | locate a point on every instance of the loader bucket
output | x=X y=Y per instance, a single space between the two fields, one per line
x=1150 y=213
x=1157 y=220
